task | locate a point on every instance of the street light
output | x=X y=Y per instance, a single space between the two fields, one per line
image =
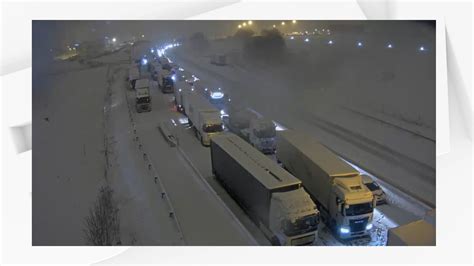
x=294 y=21
x=274 y=25
x=283 y=23
x=240 y=26
x=250 y=22
x=114 y=39
x=245 y=24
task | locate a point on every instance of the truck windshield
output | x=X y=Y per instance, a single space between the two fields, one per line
x=143 y=100
x=212 y=128
x=301 y=226
x=358 y=209
x=372 y=186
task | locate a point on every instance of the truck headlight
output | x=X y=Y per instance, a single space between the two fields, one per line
x=369 y=226
x=344 y=230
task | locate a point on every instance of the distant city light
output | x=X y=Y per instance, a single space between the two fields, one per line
x=389 y=46
x=292 y=37
x=422 y=48
x=306 y=40
x=250 y=22
x=114 y=39
x=283 y=23
x=294 y=21
x=274 y=25
x=240 y=26
x=330 y=42
x=359 y=44
x=144 y=61
x=244 y=24
x=143 y=35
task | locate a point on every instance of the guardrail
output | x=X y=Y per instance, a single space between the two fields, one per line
x=152 y=170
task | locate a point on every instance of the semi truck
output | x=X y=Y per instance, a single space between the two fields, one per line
x=133 y=75
x=273 y=198
x=417 y=233
x=345 y=203
x=256 y=130
x=204 y=117
x=166 y=81
x=142 y=96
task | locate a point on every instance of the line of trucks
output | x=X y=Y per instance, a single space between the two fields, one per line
x=138 y=78
x=286 y=198
x=288 y=202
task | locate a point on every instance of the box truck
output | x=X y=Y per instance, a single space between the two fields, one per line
x=204 y=117
x=345 y=203
x=273 y=198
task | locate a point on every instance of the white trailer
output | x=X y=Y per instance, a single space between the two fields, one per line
x=273 y=198
x=204 y=117
x=142 y=96
x=345 y=203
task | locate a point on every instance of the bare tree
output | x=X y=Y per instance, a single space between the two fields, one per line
x=103 y=224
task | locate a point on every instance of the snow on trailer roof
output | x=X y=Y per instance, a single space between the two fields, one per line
x=263 y=169
x=326 y=159
x=142 y=83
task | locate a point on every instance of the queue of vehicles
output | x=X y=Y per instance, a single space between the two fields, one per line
x=286 y=203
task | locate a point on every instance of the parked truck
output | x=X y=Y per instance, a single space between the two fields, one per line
x=345 y=203
x=143 y=98
x=273 y=198
x=166 y=81
x=204 y=117
x=256 y=130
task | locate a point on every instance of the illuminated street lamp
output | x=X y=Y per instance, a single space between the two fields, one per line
x=294 y=21
x=274 y=25
x=114 y=39
x=245 y=24
x=240 y=26
x=283 y=23
x=250 y=22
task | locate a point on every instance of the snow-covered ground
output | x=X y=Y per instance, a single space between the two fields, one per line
x=167 y=195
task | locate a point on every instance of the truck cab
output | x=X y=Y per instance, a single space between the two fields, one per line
x=211 y=126
x=262 y=135
x=166 y=83
x=351 y=208
x=294 y=218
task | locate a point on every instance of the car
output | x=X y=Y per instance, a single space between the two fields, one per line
x=375 y=188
